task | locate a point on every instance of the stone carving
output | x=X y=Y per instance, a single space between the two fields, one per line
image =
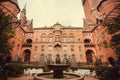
x=57 y=60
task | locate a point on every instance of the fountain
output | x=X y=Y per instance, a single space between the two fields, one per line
x=58 y=73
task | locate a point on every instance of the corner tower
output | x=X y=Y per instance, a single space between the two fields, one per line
x=23 y=15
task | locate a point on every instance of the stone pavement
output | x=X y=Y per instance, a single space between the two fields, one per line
x=31 y=78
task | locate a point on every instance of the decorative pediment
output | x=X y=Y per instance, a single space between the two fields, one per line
x=57 y=26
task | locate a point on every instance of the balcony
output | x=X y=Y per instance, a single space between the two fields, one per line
x=27 y=45
x=89 y=44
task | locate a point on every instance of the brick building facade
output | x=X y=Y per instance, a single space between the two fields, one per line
x=96 y=11
x=71 y=43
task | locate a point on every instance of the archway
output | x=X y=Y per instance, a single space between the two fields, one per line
x=87 y=41
x=27 y=54
x=29 y=41
x=89 y=57
x=111 y=60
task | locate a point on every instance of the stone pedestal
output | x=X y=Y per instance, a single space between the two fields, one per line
x=58 y=69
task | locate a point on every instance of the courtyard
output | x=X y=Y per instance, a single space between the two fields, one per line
x=86 y=50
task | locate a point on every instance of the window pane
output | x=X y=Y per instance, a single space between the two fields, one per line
x=72 y=47
x=35 y=48
x=36 y=39
x=78 y=39
x=64 y=39
x=42 y=47
x=43 y=39
x=57 y=38
x=80 y=48
x=64 y=48
x=50 y=39
x=49 y=48
x=71 y=39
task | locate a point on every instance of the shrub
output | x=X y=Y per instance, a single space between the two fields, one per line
x=90 y=67
x=14 y=70
x=25 y=66
x=105 y=72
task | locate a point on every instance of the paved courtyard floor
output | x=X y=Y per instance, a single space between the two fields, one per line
x=31 y=78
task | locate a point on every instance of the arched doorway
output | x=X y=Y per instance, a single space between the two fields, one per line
x=111 y=60
x=27 y=54
x=89 y=57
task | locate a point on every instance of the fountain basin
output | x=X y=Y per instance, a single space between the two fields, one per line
x=49 y=76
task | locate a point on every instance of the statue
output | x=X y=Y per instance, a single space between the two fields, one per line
x=57 y=60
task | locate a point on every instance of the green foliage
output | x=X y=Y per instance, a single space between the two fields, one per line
x=117 y=50
x=115 y=44
x=25 y=66
x=14 y=70
x=113 y=26
x=98 y=62
x=89 y=67
x=17 y=69
x=105 y=72
x=6 y=33
x=115 y=40
x=113 y=29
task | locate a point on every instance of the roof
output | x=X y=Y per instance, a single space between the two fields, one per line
x=15 y=1
x=89 y=22
x=28 y=22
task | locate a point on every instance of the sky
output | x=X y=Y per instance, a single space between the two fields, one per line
x=50 y=12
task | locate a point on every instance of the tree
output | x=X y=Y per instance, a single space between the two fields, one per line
x=113 y=26
x=106 y=72
x=6 y=33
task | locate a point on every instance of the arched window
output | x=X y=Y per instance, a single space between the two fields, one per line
x=50 y=36
x=29 y=41
x=43 y=37
x=71 y=37
x=64 y=39
x=87 y=41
